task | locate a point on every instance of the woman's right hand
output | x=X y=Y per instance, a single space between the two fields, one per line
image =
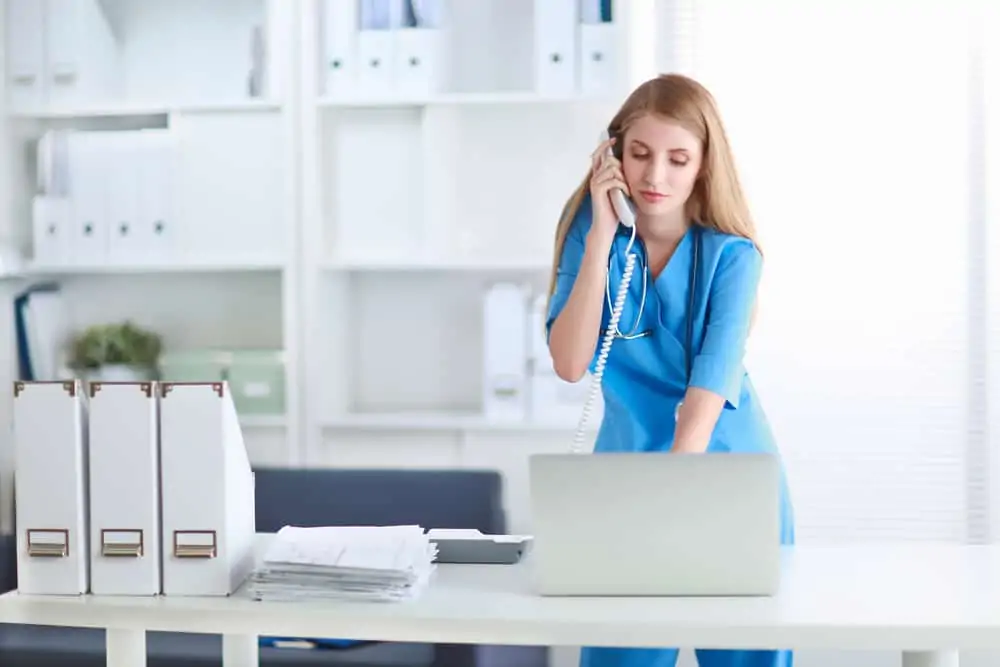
x=605 y=175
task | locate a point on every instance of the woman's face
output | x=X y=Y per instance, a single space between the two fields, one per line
x=661 y=161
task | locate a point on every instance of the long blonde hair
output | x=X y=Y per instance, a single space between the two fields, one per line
x=717 y=200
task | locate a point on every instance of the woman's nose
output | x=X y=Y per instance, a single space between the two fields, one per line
x=656 y=171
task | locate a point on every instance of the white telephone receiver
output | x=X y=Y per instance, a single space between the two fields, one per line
x=623 y=206
x=625 y=211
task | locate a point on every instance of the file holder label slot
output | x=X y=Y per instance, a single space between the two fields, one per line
x=48 y=542
x=122 y=543
x=195 y=544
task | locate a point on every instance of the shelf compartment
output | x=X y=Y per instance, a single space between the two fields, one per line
x=109 y=53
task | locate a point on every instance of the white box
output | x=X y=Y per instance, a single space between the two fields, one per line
x=552 y=400
x=124 y=489
x=207 y=491
x=51 y=487
x=555 y=47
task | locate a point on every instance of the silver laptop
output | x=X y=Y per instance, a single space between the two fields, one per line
x=661 y=524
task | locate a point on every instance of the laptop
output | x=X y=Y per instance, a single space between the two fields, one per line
x=655 y=524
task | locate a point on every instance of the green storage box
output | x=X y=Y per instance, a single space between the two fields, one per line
x=257 y=380
x=194 y=365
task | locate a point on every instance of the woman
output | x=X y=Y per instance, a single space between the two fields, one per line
x=674 y=378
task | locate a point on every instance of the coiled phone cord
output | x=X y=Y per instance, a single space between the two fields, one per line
x=609 y=337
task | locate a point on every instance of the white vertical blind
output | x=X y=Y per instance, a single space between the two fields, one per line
x=986 y=38
x=850 y=121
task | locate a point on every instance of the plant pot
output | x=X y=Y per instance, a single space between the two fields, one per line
x=119 y=373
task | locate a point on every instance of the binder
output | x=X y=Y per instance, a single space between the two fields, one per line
x=505 y=353
x=555 y=54
x=155 y=233
x=88 y=195
x=84 y=64
x=25 y=36
x=124 y=488
x=598 y=60
x=416 y=48
x=50 y=224
x=121 y=153
x=51 y=487
x=207 y=491
x=340 y=48
x=375 y=48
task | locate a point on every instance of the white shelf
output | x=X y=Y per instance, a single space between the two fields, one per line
x=439 y=421
x=463 y=99
x=184 y=266
x=125 y=109
x=429 y=263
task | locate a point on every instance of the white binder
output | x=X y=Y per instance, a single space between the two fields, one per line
x=25 y=35
x=375 y=48
x=83 y=58
x=88 y=195
x=417 y=43
x=340 y=47
x=555 y=47
x=124 y=489
x=157 y=192
x=121 y=153
x=598 y=59
x=207 y=491
x=505 y=353
x=50 y=487
x=50 y=223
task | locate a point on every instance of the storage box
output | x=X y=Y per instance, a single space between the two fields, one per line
x=257 y=381
x=194 y=366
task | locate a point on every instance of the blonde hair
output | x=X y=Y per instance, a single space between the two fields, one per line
x=717 y=200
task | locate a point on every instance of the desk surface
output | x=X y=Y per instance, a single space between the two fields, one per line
x=907 y=596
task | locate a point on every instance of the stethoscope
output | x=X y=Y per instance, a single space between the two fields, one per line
x=635 y=333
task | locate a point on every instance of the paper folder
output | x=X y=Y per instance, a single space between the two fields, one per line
x=207 y=491
x=51 y=487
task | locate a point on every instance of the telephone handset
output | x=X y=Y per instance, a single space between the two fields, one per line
x=626 y=215
x=623 y=206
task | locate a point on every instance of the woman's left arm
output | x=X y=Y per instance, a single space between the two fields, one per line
x=717 y=369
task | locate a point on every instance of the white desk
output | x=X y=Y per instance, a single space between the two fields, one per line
x=927 y=601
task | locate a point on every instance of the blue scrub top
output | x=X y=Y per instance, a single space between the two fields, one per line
x=645 y=378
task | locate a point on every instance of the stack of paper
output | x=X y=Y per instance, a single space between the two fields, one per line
x=377 y=563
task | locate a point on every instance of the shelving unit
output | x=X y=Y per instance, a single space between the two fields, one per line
x=353 y=218
x=421 y=190
x=216 y=83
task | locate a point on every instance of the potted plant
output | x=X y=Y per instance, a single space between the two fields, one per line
x=115 y=352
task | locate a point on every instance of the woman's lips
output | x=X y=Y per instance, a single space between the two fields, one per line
x=652 y=197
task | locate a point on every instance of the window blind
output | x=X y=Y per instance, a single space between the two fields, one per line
x=987 y=22
x=851 y=128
